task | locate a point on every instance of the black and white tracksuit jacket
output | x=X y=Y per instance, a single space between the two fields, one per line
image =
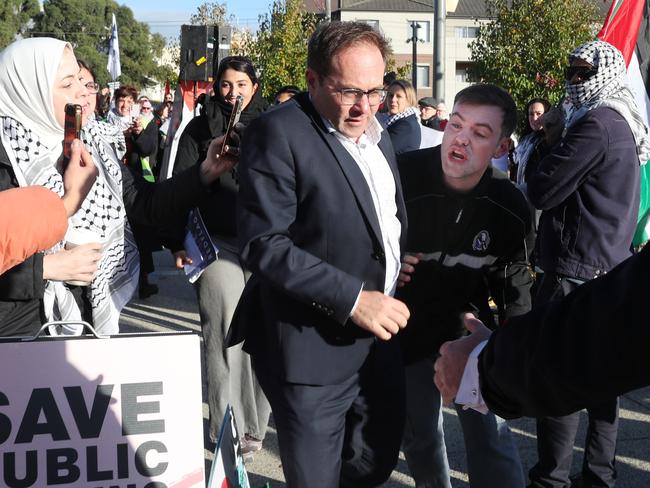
x=473 y=246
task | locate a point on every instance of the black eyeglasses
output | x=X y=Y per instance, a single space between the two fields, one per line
x=581 y=73
x=92 y=87
x=351 y=96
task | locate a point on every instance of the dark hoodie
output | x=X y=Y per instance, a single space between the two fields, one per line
x=218 y=208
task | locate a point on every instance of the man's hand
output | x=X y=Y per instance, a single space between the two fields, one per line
x=79 y=177
x=182 y=258
x=136 y=127
x=553 y=123
x=408 y=268
x=76 y=264
x=380 y=314
x=216 y=164
x=449 y=367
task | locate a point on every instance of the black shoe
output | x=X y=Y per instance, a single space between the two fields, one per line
x=146 y=290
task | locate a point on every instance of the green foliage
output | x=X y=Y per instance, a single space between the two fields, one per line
x=279 y=50
x=403 y=72
x=14 y=18
x=86 y=25
x=525 y=48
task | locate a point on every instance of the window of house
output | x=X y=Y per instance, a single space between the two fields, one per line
x=372 y=23
x=424 y=31
x=423 y=75
x=467 y=32
x=462 y=71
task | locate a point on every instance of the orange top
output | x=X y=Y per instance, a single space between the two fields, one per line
x=32 y=219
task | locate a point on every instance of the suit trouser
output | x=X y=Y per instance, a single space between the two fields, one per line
x=492 y=456
x=342 y=435
x=230 y=376
x=556 y=435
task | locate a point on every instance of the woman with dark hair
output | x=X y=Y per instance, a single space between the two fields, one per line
x=229 y=373
x=531 y=147
x=403 y=123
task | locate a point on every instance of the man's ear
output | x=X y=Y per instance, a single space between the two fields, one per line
x=502 y=148
x=311 y=77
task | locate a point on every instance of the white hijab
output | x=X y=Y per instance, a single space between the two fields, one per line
x=27 y=75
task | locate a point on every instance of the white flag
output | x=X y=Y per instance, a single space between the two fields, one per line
x=113 y=65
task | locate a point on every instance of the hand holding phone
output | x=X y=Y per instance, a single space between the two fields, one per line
x=234 y=118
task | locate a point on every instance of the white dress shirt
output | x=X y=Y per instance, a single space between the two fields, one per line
x=381 y=183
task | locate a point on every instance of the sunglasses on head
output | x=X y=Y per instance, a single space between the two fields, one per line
x=581 y=73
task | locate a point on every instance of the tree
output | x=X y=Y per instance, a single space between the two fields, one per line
x=14 y=19
x=209 y=13
x=86 y=25
x=279 y=50
x=525 y=48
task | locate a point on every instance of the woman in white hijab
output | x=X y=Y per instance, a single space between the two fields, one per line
x=38 y=77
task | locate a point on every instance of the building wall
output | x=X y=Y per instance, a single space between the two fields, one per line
x=395 y=26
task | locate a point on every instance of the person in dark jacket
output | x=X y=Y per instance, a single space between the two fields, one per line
x=229 y=373
x=402 y=123
x=467 y=243
x=32 y=114
x=588 y=191
x=142 y=139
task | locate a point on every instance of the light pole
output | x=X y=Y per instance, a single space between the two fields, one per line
x=414 y=68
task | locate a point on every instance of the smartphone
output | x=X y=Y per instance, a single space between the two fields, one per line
x=234 y=118
x=135 y=111
x=71 y=129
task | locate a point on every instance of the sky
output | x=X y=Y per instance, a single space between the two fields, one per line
x=167 y=16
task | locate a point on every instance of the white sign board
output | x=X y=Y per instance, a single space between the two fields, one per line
x=124 y=412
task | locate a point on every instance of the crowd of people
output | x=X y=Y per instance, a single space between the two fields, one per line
x=361 y=233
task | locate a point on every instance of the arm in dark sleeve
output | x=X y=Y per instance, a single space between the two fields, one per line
x=146 y=143
x=588 y=347
x=267 y=208
x=24 y=281
x=561 y=172
x=510 y=278
x=158 y=204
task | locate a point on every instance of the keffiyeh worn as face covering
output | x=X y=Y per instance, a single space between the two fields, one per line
x=607 y=88
x=32 y=138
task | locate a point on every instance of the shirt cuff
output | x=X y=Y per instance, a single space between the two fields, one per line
x=356 y=302
x=469 y=391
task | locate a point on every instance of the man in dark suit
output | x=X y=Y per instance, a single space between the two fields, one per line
x=321 y=219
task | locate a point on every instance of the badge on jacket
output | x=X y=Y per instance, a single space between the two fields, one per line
x=481 y=241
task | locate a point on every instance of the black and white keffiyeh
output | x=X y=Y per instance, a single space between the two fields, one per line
x=32 y=138
x=607 y=88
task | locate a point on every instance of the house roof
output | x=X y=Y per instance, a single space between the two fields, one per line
x=463 y=8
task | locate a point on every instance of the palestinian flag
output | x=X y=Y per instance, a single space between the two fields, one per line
x=627 y=28
x=228 y=469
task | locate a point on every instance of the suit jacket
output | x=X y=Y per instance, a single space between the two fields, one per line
x=309 y=233
x=586 y=348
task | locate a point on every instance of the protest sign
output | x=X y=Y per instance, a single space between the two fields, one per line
x=123 y=412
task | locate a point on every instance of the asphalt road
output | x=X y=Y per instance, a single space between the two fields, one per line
x=174 y=308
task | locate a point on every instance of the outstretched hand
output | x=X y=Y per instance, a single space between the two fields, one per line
x=79 y=176
x=449 y=367
x=217 y=162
